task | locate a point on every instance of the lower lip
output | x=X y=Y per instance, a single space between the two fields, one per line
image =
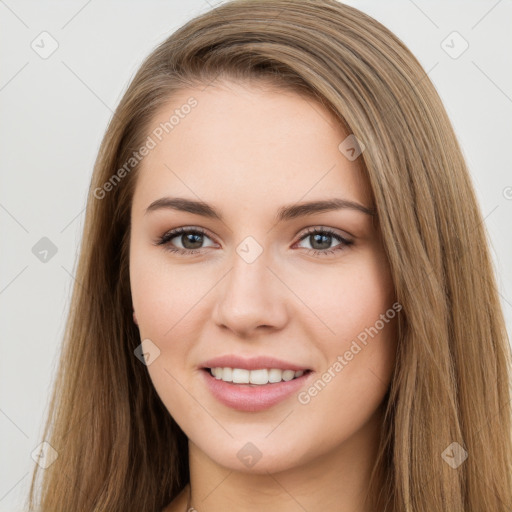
x=253 y=398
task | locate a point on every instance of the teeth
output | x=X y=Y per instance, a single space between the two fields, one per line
x=259 y=377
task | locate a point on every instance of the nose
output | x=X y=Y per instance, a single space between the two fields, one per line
x=251 y=297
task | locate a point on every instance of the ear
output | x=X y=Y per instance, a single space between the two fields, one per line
x=135 y=318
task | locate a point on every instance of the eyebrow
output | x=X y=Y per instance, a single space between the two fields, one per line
x=285 y=213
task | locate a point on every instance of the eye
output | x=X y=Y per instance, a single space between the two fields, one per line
x=321 y=239
x=191 y=240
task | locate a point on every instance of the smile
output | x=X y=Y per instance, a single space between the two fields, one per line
x=250 y=397
x=258 y=377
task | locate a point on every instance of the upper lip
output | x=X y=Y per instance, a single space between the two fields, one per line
x=251 y=363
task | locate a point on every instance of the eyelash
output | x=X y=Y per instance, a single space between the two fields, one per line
x=167 y=237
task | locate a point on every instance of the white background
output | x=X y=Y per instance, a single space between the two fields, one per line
x=54 y=112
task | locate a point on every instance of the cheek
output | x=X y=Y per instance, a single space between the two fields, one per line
x=171 y=311
x=359 y=350
x=348 y=298
x=162 y=294
x=162 y=298
x=367 y=327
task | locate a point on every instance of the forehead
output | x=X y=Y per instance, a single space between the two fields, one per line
x=247 y=145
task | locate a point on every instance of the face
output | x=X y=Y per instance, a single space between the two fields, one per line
x=311 y=288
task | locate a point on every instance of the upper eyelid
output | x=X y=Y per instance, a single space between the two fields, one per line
x=321 y=229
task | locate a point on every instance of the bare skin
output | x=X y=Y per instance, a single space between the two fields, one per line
x=248 y=152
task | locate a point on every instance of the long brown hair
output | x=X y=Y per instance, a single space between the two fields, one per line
x=118 y=447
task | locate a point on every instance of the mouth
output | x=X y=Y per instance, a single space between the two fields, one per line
x=248 y=396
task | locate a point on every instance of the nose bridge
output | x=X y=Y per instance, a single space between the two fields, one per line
x=248 y=281
x=250 y=295
x=250 y=268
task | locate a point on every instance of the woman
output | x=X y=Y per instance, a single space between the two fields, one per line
x=285 y=297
